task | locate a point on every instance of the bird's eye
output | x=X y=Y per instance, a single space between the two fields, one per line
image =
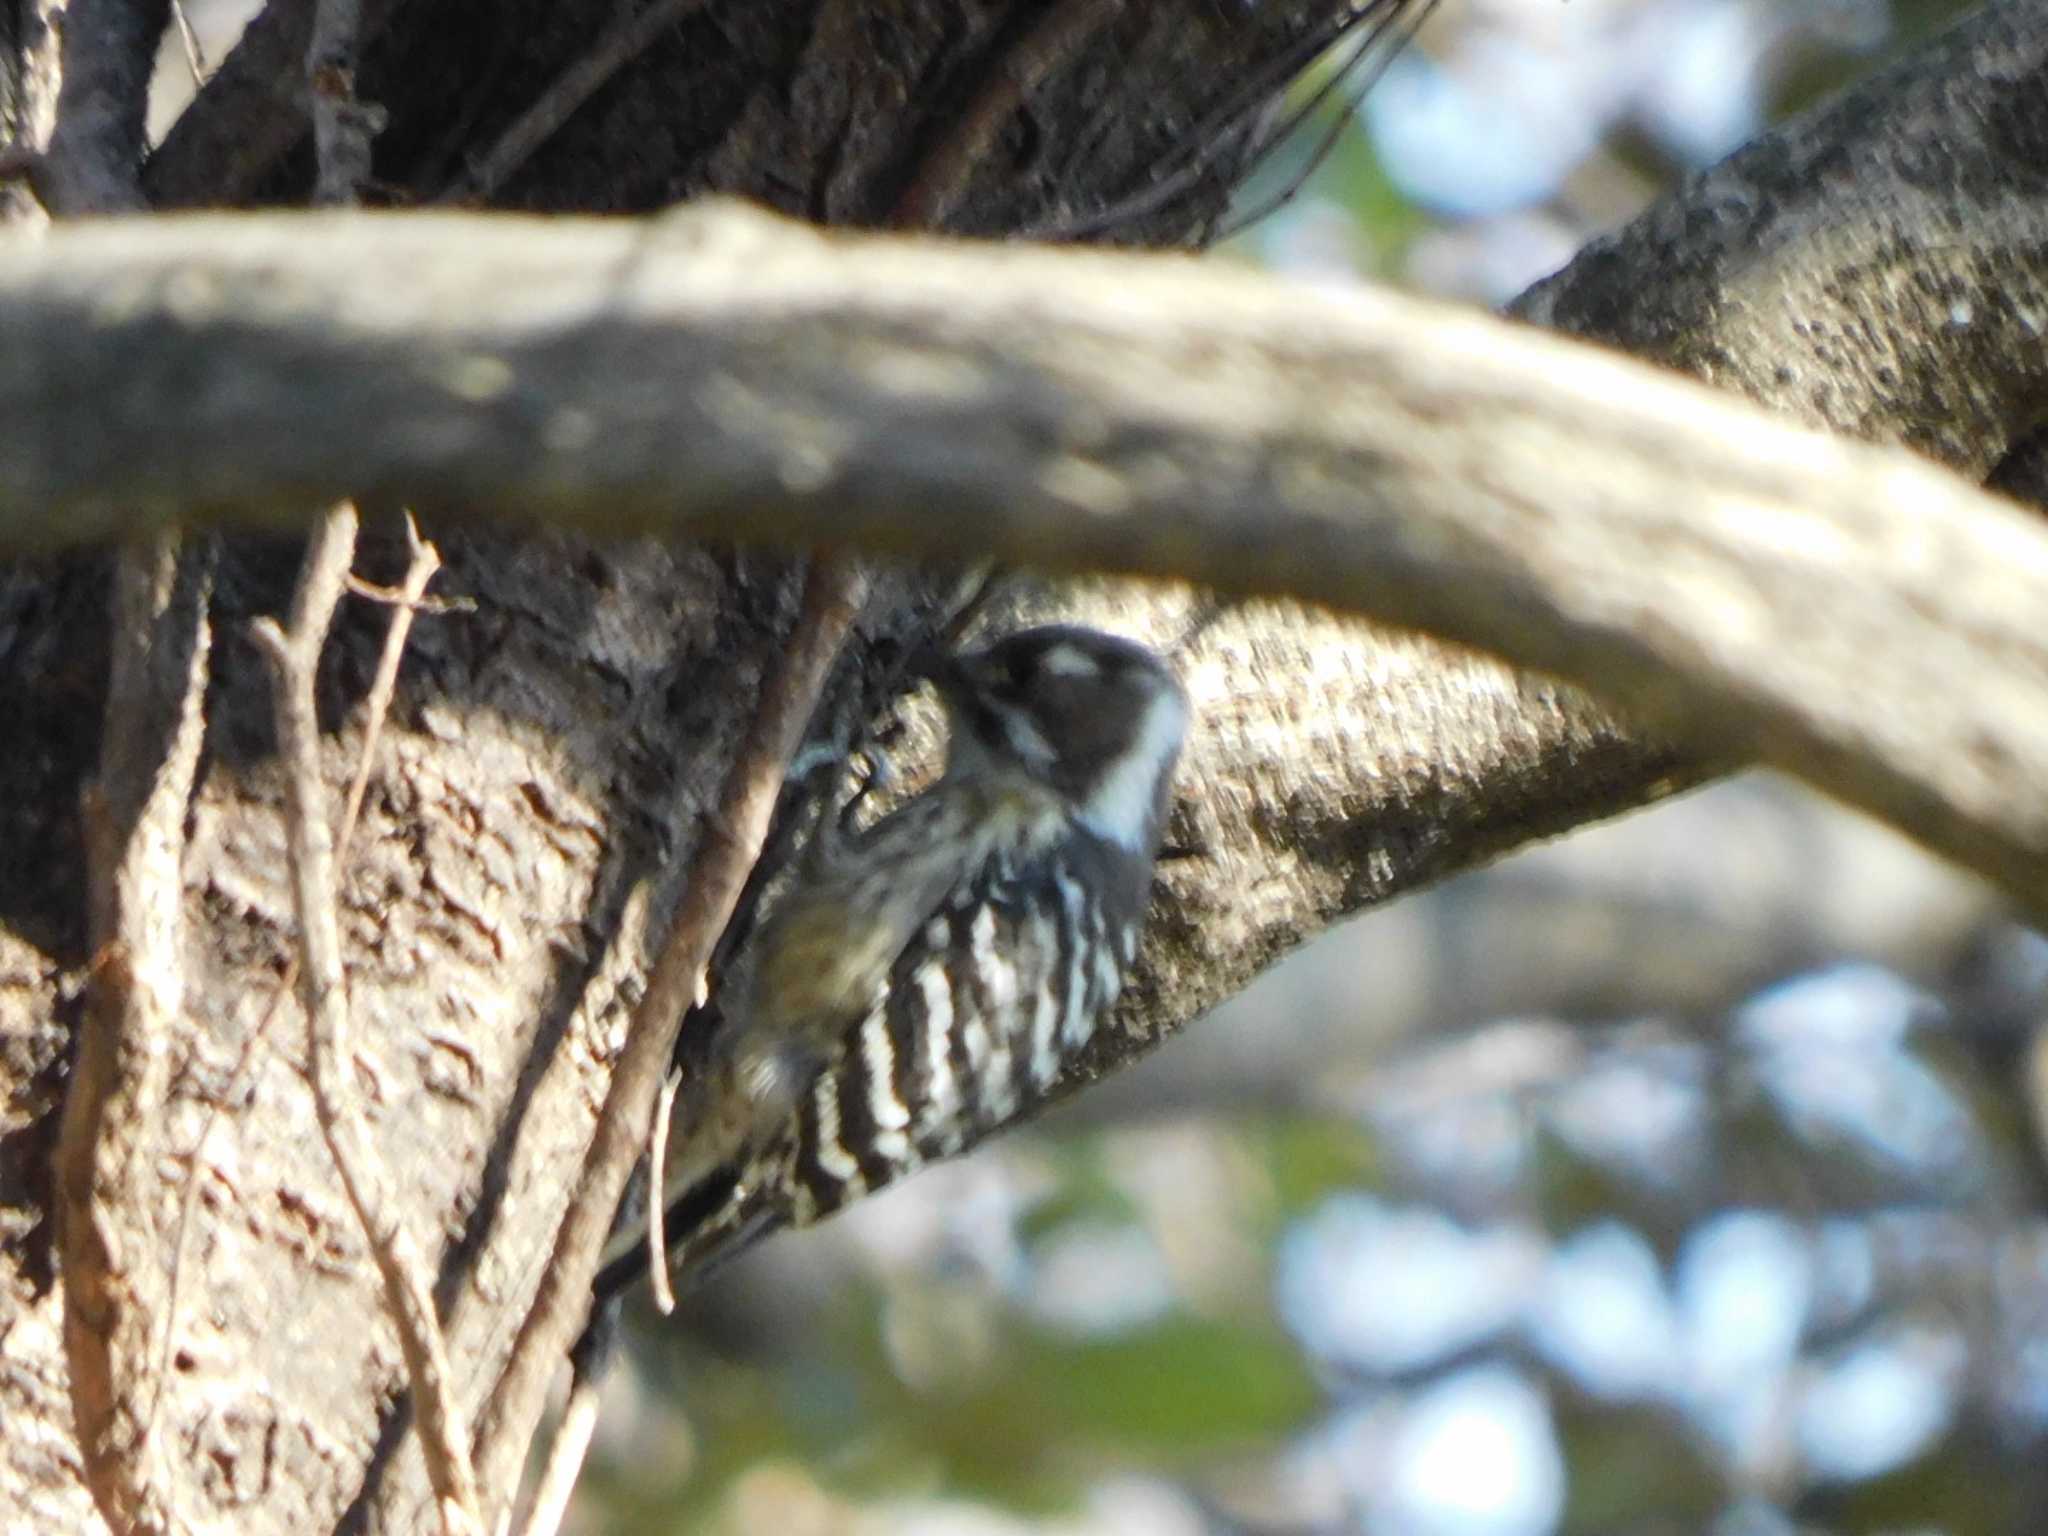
x=1017 y=675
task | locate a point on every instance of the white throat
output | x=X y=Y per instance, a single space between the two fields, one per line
x=1120 y=810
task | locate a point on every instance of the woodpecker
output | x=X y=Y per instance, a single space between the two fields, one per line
x=927 y=980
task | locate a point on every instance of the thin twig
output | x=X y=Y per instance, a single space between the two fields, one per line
x=377 y=592
x=406 y=599
x=657 y=1225
x=724 y=858
x=566 y=1453
x=1205 y=145
x=626 y=39
x=195 y=56
x=322 y=990
x=1368 y=63
x=422 y=562
x=940 y=181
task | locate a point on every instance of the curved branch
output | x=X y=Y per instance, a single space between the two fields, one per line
x=1849 y=613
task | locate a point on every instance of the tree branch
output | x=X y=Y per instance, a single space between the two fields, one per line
x=1848 y=613
x=134 y=814
x=343 y=124
x=405 y=600
x=726 y=852
x=1874 y=266
x=323 y=991
x=113 y=1112
x=94 y=160
x=630 y=34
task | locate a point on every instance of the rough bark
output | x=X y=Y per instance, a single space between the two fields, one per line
x=550 y=753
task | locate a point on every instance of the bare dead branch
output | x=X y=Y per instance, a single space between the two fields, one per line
x=629 y=36
x=566 y=1455
x=188 y=40
x=135 y=834
x=424 y=560
x=406 y=600
x=294 y=660
x=662 y=1290
x=729 y=844
x=942 y=178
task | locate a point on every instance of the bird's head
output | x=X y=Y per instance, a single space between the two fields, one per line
x=1097 y=718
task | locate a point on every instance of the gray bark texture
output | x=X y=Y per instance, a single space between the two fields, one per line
x=554 y=747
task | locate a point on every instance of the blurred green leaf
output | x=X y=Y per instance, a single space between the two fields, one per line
x=1182 y=1387
x=1308 y=1158
x=1085 y=1191
x=1630 y=1468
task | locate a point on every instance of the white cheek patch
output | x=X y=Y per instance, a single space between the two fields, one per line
x=1025 y=738
x=1068 y=660
x=1120 y=810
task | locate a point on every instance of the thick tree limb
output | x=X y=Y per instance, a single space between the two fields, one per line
x=113 y=1113
x=134 y=813
x=1878 y=266
x=1848 y=613
x=94 y=161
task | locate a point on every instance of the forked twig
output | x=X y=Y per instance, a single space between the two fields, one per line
x=406 y=600
x=422 y=561
x=294 y=659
